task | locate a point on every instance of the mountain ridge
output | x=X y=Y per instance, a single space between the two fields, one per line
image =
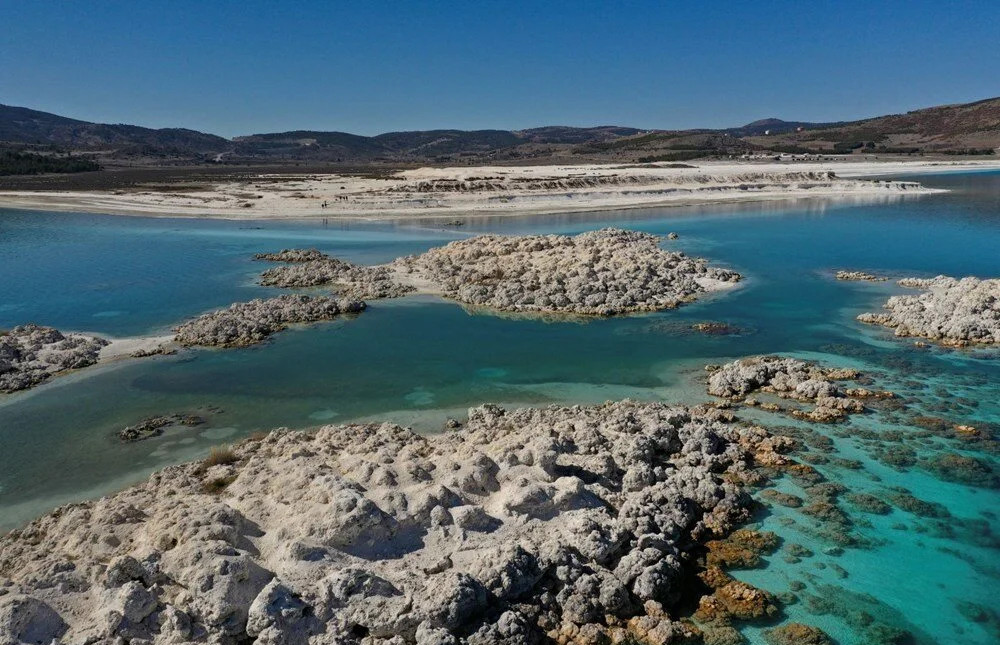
x=965 y=128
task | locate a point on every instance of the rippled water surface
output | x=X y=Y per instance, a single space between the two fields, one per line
x=927 y=568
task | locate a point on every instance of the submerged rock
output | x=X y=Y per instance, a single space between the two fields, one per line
x=949 y=311
x=963 y=469
x=797 y=634
x=716 y=328
x=30 y=354
x=574 y=524
x=248 y=323
x=869 y=503
x=154 y=426
x=783 y=499
x=599 y=273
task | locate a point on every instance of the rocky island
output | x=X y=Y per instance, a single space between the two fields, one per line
x=599 y=273
x=249 y=323
x=30 y=354
x=950 y=311
x=575 y=524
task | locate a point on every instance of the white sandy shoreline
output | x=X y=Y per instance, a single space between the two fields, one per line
x=502 y=190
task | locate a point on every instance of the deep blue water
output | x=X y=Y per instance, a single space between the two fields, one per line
x=418 y=360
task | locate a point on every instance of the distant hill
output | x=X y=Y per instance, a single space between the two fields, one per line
x=432 y=143
x=776 y=126
x=23 y=126
x=972 y=128
x=308 y=145
x=965 y=128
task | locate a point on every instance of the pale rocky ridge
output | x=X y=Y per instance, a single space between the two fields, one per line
x=565 y=524
x=248 y=323
x=30 y=354
x=950 y=311
x=861 y=276
x=291 y=255
x=310 y=268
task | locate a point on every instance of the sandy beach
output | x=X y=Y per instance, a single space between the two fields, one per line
x=496 y=190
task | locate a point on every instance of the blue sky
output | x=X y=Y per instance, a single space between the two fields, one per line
x=369 y=67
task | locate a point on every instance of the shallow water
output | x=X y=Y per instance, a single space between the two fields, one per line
x=419 y=360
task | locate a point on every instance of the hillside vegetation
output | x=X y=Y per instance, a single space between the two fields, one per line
x=972 y=128
x=26 y=163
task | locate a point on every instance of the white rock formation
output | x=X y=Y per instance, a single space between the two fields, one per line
x=601 y=273
x=554 y=523
x=29 y=354
x=248 y=323
x=950 y=311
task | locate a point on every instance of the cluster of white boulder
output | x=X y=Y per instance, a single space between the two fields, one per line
x=950 y=311
x=791 y=378
x=602 y=273
x=575 y=524
x=29 y=354
x=248 y=323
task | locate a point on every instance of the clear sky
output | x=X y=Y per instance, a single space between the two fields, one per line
x=370 y=66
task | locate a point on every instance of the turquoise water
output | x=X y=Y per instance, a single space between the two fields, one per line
x=420 y=360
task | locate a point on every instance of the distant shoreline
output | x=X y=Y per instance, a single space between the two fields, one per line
x=469 y=192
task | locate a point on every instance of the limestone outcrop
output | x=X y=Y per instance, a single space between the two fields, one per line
x=575 y=524
x=949 y=311
x=602 y=273
x=30 y=354
x=248 y=323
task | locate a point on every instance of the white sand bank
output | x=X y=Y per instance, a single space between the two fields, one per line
x=493 y=190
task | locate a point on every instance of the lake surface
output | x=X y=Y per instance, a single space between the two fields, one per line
x=420 y=360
